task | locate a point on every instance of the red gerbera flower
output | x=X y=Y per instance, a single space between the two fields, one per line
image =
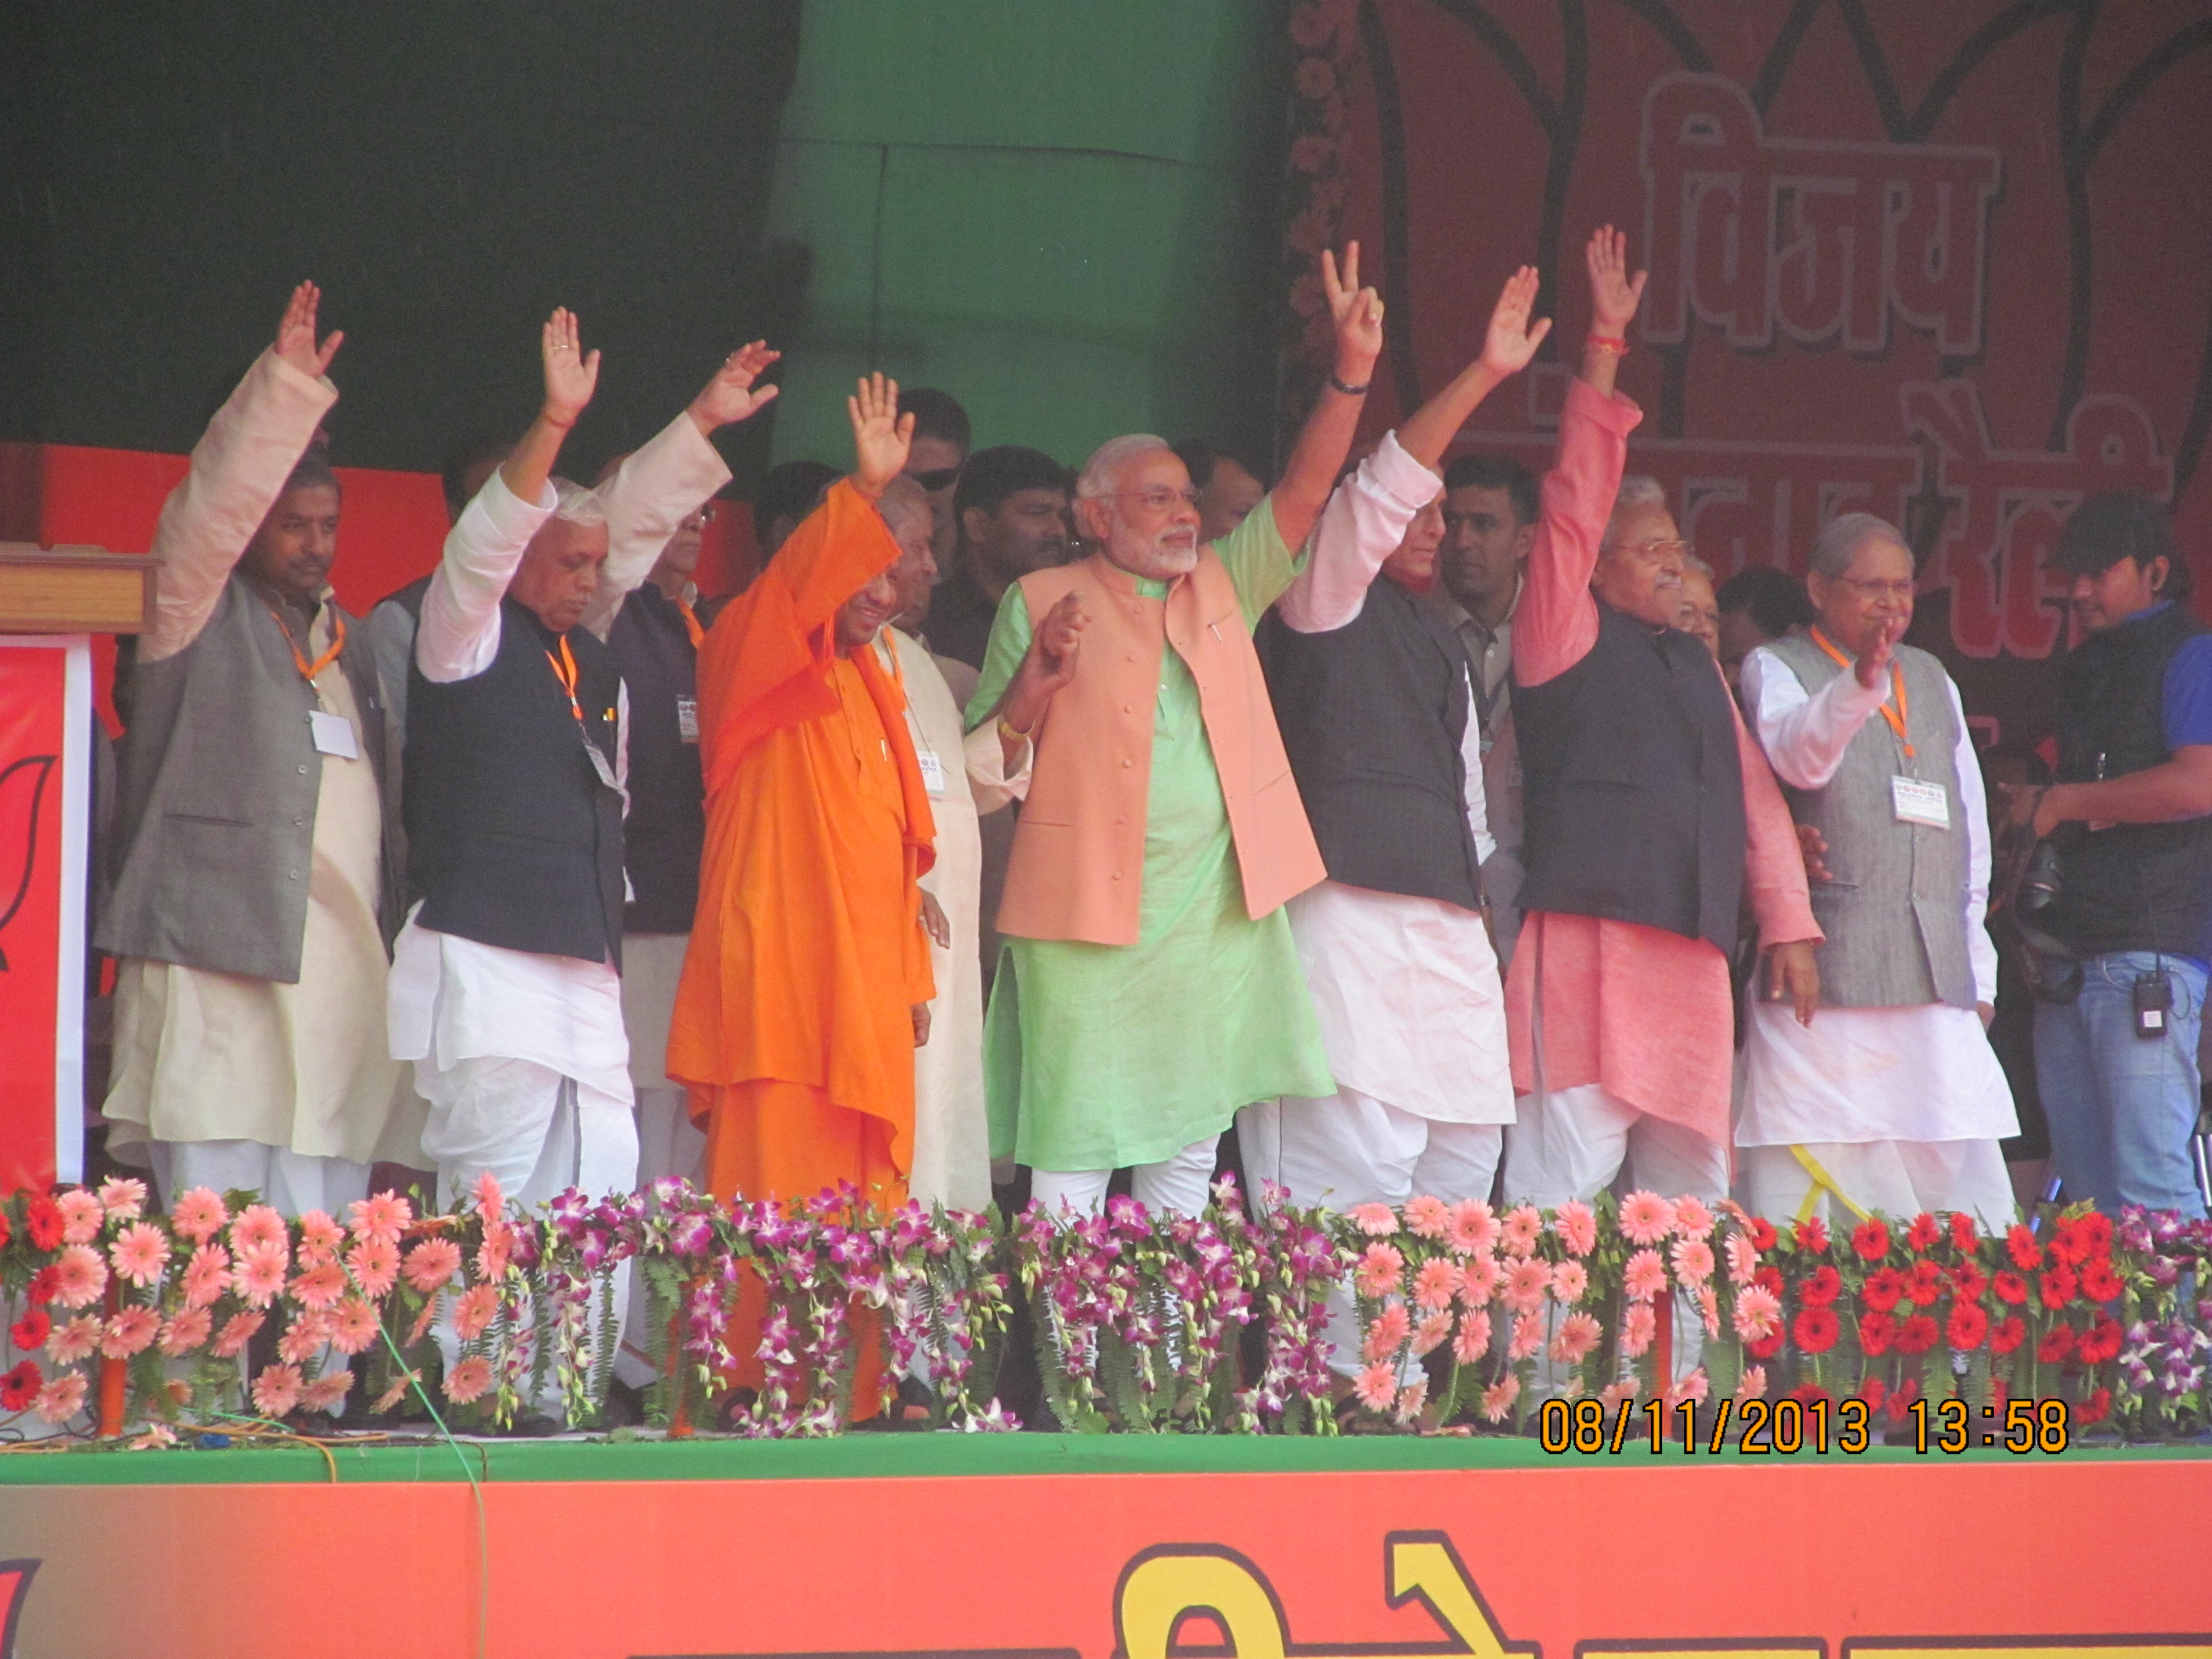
x=7 y=1232
x=29 y=1332
x=19 y=1386
x=1968 y=1282
x=2099 y=1342
x=1883 y=1286
x=1871 y=1391
x=2094 y=1229
x=1816 y=1329
x=1762 y=1234
x=1900 y=1402
x=1918 y=1334
x=2009 y=1286
x=2008 y=1334
x=1771 y=1278
x=2095 y=1409
x=1870 y=1239
x=2021 y=1245
x=2099 y=1282
x=1963 y=1233
x=1924 y=1234
x=1967 y=1327
x=1820 y=1287
x=2057 y=1346
x=1811 y=1393
x=2067 y=1245
x=43 y=1285
x=42 y=1220
x=2057 y=1287
x=1765 y=1347
x=1876 y=1332
x=1924 y=1284
x=1812 y=1234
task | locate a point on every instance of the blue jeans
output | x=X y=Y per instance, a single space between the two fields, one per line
x=2121 y=1107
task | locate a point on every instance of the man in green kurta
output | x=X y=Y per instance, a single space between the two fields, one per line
x=1129 y=1033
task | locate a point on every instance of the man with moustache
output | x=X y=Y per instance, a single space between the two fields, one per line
x=1010 y=510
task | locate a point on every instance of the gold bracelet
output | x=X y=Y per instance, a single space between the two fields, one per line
x=1009 y=732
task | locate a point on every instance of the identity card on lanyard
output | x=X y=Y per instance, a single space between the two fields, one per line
x=333 y=734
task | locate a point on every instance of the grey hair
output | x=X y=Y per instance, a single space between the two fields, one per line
x=1837 y=542
x=573 y=504
x=1636 y=489
x=1106 y=462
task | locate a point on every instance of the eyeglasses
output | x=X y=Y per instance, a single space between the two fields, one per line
x=937 y=478
x=1157 y=498
x=698 y=520
x=1658 y=550
x=1873 y=587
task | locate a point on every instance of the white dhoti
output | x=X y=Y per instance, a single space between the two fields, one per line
x=668 y=1142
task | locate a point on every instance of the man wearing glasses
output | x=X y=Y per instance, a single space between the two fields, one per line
x=1893 y=1100
x=941 y=441
x=1150 y=986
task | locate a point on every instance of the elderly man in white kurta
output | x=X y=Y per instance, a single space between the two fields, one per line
x=253 y=895
x=1893 y=1099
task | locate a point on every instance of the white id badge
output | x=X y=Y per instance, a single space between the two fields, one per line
x=333 y=735
x=687 y=719
x=933 y=770
x=1920 y=802
x=601 y=765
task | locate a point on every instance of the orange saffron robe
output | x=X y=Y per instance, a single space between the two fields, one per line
x=793 y=1028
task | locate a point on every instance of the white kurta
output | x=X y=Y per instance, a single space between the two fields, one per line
x=966 y=775
x=1923 y=1073
x=203 y=1056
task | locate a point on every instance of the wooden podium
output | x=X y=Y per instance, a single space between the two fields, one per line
x=52 y=600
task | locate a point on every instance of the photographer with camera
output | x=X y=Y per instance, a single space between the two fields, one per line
x=2126 y=840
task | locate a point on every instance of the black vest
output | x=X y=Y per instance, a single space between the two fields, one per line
x=511 y=838
x=667 y=830
x=1632 y=790
x=1372 y=714
x=2135 y=886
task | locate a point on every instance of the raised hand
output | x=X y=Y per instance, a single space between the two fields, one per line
x=1614 y=295
x=1872 y=664
x=1356 y=313
x=1513 y=339
x=295 y=333
x=881 y=435
x=731 y=396
x=570 y=376
x=1046 y=668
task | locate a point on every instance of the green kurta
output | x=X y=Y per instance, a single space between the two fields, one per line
x=1095 y=1056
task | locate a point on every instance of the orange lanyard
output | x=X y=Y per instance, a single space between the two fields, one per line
x=564 y=670
x=1896 y=717
x=691 y=623
x=307 y=669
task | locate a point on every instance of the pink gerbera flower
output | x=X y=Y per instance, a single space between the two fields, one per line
x=1757 y=1313
x=1577 y=1227
x=139 y=1253
x=1645 y=1276
x=77 y=1339
x=198 y=1215
x=1387 y=1334
x=473 y=1310
x=319 y=1239
x=354 y=1326
x=1472 y=1341
x=1570 y=1281
x=258 y=1273
x=1477 y=1281
x=1692 y=1218
x=1523 y=1226
x=1708 y=1309
x=1498 y=1399
x=492 y=1254
x=237 y=1331
x=1411 y=1397
x=467 y=1381
x=122 y=1198
x=132 y=1330
x=277 y=1390
x=491 y=1201
x=1694 y=1388
x=327 y=1391
x=259 y=1226
x=374 y=1263
x=1377 y=1388
x=1577 y=1334
x=1429 y=1335
x=1435 y=1285
x=79 y=1275
x=82 y=1216
x=393 y=1396
x=1472 y=1228
x=320 y=1286
x=380 y=1215
x=304 y=1338
x=1427 y=1217
x=1639 y=1326
x=1375 y=1220
x=1528 y=1336
x=431 y=1263
x=61 y=1399
x=188 y=1331
x=1752 y=1385
x=1525 y=1282
x=1614 y=1394
x=1742 y=1259
x=1645 y=1217
x=1693 y=1260
x=206 y=1275
x=1379 y=1270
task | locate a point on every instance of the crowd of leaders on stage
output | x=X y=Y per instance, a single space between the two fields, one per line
x=1437 y=826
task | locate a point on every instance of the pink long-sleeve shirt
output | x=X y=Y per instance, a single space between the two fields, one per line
x=1642 y=1012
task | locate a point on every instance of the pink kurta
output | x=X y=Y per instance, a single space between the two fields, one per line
x=1642 y=1012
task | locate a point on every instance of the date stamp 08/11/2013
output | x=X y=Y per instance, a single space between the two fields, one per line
x=1788 y=1427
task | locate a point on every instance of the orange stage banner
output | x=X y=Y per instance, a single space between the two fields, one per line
x=2101 y=1558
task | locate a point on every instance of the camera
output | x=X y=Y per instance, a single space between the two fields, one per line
x=2039 y=883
